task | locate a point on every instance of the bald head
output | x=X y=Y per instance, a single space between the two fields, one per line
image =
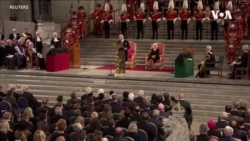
x=181 y=96
x=118 y=131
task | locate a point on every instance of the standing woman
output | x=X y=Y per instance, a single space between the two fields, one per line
x=55 y=41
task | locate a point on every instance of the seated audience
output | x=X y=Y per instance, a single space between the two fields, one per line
x=132 y=132
x=203 y=133
x=61 y=126
x=118 y=134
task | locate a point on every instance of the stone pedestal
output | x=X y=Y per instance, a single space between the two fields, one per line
x=46 y=29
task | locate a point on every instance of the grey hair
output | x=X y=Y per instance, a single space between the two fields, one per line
x=25 y=88
x=132 y=127
x=228 y=131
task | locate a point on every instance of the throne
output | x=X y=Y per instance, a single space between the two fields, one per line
x=160 y=62
x=131 y=54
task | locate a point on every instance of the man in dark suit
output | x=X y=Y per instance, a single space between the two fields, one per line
x=117 y=104
x=185 y=104
x=38 y=42
x=118 y=135
x=228 y=132
x=125 y=121
x=203 y=133
x=156 y=119
x=136 y=114
x=122 y=53
x=14 y=35
x=9 y=98
x=222 y=123
x=33 y=103
x=2 y=91
x=146 y=127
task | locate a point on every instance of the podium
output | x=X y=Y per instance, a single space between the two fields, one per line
x=184 y=70
x=74 y=53
x=57 y=62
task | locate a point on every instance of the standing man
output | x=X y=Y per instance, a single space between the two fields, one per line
x=199 y=17
x=185 y=18
x=155 y=17
x=38 y=42
x=122 y=53
x=186 y=105
x=171 y=17
x=14 y=35
x=140 y=20
x=107 y=20
x=214 y=22
x=124 y=18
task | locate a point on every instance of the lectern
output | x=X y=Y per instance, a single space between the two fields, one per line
x=74 y=53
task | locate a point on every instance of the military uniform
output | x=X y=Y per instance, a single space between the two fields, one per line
x=155 y=17
x=199 y=16
x=140 y=18
x=81 y=20
x=184 y=15
x=170 y=16
x=107 y=20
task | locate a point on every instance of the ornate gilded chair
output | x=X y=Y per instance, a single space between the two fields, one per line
x=160 y=62
x=131 y=62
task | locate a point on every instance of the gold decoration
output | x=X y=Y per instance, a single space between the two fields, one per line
x=118 y=58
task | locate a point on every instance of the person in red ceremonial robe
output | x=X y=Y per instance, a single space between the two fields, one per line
x=199 y=17
x=73 y=16
x=140 y=18
x=185 y=18
x=81 y=21
x=247 y=11
x=68 y=38
x=109 y=6
x=97 y=15
x=124 y=19
x=171 y=17
x=232 y=38
x=155 y=17
x=74 y=25
x=107 y=19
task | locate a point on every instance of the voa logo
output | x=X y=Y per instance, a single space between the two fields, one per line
x=219 y=15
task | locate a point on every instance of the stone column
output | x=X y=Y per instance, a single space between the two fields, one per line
x=44 y=10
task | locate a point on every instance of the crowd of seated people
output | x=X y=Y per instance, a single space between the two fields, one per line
x=24 y=50
x=83 y=118
x=232 y=125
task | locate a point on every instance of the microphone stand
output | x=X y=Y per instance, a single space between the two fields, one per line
x=111 y=73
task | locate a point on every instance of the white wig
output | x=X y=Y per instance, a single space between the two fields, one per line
x=131 y=96
x=100 y=91
x=106 y=7
x=216 y=5
x=142 y=6
x=230 y=5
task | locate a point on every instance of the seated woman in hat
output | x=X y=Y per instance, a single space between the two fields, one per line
x=154 y=55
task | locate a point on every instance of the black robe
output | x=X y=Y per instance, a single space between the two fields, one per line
x=38 y=44
x=3 y=54
x=57 y=44
x=155 y=53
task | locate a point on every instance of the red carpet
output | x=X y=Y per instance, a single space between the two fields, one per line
x=138 y=68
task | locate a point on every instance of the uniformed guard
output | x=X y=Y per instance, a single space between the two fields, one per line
x=171 y=17
x=124 y=19
x=185 y=18
x=199 y=17
x=140 y=20
x=107 y=19
x=155 y=17
x=214 y=22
